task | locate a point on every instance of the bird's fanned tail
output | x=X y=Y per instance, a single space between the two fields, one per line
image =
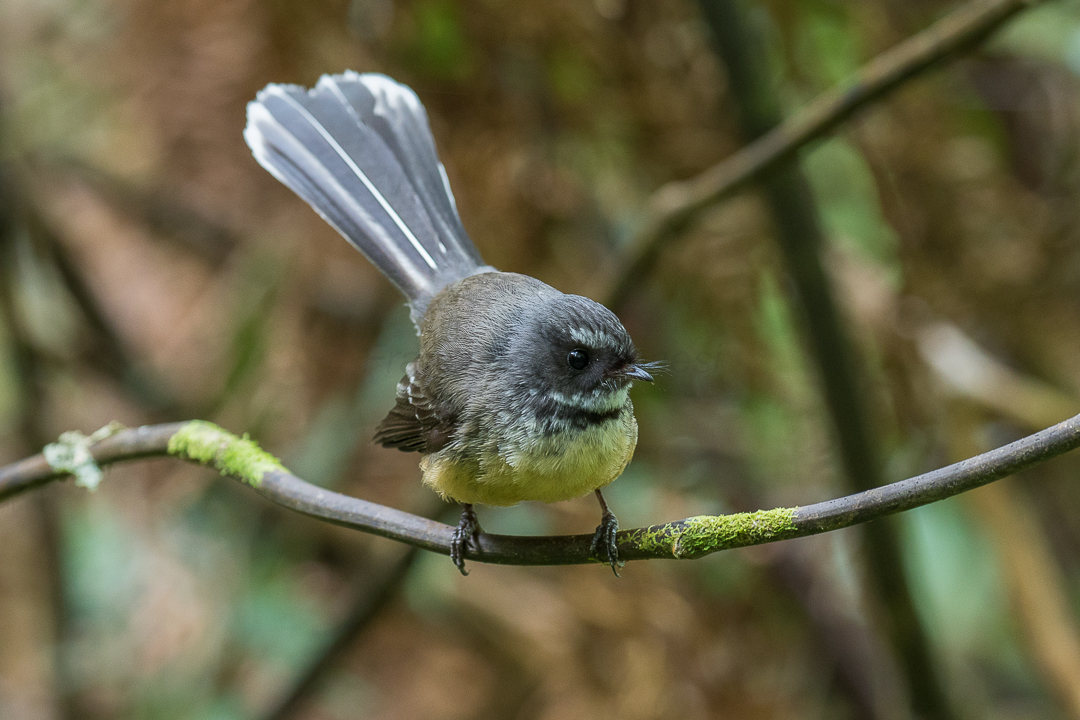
x=359 y=150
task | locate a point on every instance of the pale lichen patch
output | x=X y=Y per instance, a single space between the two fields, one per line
x=71 y=454
x=206 y=443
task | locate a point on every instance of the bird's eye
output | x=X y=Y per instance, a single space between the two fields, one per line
x=577 y=359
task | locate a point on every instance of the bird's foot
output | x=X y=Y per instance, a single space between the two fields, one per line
x=604 y=545
x=468 y=528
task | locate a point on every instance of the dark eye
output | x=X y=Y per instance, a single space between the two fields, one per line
x=577 y=359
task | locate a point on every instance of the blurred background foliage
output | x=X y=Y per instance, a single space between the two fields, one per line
x=152 y=271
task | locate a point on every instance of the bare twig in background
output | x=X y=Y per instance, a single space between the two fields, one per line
x=969 y=371
x=107 y=349
x=1037 y=589
x=673 y=207
x=159 y=212
x=683 y=539
x=865 y=668
x=374 y=597
x=41 y=520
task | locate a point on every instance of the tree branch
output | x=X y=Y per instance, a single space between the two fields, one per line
x=674 y=206
x=206 y=444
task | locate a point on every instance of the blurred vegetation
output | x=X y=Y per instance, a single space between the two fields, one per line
x=150 y=271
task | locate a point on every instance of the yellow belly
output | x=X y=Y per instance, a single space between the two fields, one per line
x=548 y=469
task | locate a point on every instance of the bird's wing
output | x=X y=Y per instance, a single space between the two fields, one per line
x=414 y=425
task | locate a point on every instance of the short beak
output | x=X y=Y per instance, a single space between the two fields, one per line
x=636 y=372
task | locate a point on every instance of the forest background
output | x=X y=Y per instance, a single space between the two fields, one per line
x=151 y=272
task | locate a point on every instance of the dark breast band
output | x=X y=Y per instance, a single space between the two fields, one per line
x=554 y=418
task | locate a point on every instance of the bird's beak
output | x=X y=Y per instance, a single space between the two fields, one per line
x=636 y=372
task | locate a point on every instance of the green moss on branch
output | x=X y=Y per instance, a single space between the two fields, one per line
x=705 y=534
x=206 y=443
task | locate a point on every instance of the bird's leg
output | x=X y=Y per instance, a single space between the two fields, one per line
x=468 y=528
x=603 y=542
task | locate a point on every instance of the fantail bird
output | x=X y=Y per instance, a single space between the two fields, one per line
x=520 y=392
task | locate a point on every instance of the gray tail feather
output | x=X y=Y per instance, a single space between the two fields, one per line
x=359 y=150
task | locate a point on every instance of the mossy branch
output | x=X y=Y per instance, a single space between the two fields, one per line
x=241 y=459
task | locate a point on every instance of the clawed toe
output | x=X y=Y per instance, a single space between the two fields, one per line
x=604 y=545
x=468 y=528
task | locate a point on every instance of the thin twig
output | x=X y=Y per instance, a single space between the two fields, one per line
x=683 y=539
x=368 y=606
x=108 y=352
x=29 y=368
x=159 y=211
x=673 y=207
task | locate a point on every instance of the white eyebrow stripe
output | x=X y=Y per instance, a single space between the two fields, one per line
x=589 y=338
x=360 y=174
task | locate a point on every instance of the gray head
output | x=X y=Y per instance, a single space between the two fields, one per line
x=579 y=356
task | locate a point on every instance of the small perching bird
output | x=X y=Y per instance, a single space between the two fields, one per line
x=520 y=392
